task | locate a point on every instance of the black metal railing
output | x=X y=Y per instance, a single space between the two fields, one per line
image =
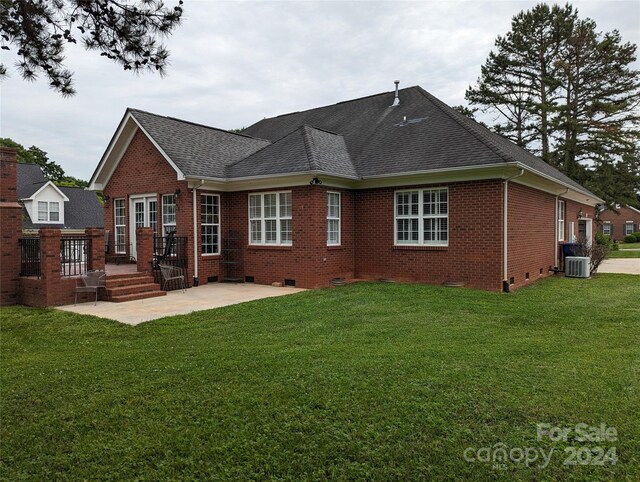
x=75 y=256
x=29 y=257
x=171 y=250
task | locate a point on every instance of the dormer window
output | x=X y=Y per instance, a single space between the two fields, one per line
x=48 y=211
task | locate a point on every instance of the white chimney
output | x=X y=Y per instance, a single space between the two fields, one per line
x=396 y=100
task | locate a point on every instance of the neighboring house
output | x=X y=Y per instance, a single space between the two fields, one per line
x=393 y=186
x=70 y=209
x=619 y=224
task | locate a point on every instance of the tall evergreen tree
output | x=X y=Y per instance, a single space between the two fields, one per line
x=568 y=93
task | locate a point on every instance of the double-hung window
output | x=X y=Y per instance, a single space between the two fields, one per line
x=333 y=218
x=48 y=211
x=628 y=228
x=168 y=213
x=561 y=213
x=120 y=225
x=422 y=217
x=210 y=223
x=606 y=228
x=270 y=218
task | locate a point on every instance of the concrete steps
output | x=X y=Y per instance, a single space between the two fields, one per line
x=129 y=287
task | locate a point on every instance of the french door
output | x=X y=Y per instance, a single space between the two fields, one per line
x=144 y=214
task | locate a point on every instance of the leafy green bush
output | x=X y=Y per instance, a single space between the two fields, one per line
x=637 y=235
x=603 y=239
x=630 y=238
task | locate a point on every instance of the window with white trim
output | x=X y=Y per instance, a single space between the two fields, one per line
x=628 y=228
x=48 y=211
x=333 y=219
x=561 y=214
x=422 y=217
x=210 y=223
x=120 y=225
x=168 y=213
x=270 y=218
x=606 y=228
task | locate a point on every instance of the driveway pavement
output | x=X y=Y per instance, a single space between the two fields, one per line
x=205 y=297
x=620 y=265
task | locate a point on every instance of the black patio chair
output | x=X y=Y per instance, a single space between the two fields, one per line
x=91 y=282
x=167 y=252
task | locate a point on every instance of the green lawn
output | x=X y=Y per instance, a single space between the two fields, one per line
x=362 y=382
x=629 y=245
x=623 y=253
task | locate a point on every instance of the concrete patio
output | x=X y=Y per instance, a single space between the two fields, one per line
x=205 y=297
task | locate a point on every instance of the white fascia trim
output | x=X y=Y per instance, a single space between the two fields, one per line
x=586 y=195
x=44 y=186
x=181 y=176
x=93 y=185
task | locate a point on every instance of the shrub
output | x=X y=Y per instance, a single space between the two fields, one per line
x=637 y=235
x=596 y=252
x=603 y=239
x=630 y=238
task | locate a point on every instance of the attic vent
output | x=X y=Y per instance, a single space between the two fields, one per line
x=407 y=122
x=396 y=100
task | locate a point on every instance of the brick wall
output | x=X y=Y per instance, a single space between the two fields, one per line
x=308 y=261
x=10 y=228
x=143 y=170
x=475 y=242
x=531 y=234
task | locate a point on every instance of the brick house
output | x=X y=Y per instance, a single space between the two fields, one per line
x=392 y=186
x=619 y=224
x=45 y=205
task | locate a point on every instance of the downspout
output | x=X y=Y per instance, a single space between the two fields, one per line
x=196 y=281
x=555 y=241
x=505 y=239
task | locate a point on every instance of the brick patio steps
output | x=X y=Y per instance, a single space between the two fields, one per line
x=129 y=287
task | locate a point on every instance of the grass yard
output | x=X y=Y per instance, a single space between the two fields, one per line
x=623 y=253
x=362 y=382
x=629 y=245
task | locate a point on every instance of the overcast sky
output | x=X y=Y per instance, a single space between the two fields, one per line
x=233 y=63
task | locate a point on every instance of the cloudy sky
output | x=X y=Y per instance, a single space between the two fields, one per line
x=233 y=63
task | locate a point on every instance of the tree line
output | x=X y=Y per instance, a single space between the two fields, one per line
x=561 y=89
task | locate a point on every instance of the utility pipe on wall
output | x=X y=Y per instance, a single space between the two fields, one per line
x=505 y=239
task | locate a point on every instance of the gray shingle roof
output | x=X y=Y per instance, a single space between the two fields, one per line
x=195 y=149
x=29 y=178
x=420 y=134
x=83 y=210
x=303 y=150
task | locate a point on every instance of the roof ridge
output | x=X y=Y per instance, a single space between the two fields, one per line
x=436 y=102
x=309 y=147
x=195 y=124
x=338 y=103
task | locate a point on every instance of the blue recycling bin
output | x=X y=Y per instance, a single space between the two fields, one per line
x=569 y=249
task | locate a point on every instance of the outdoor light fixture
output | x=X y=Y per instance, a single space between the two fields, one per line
x=106 y=198
x=580 y=214
x=315 y=181
x=177 y=193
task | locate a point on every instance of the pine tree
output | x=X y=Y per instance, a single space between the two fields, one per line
x=567 y=92
x=124 y=31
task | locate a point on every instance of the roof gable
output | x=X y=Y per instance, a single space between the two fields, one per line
x=29 y=178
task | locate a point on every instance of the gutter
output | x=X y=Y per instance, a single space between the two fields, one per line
x=505 y=239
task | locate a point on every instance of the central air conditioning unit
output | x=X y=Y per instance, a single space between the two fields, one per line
x=576 y=266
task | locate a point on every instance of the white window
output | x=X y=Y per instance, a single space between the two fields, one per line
x=120 y=220
x=628 y=228
x=333 y=218
x=270 y=218
x=210 y=223
x=48 y=211
x=422 y=217
x=168 y=213
x=561 y=213
x=606 y=228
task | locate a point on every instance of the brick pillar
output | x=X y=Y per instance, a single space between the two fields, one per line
x=144 y=249
x=97 y=247
x=50 y=263
x=10 y=228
